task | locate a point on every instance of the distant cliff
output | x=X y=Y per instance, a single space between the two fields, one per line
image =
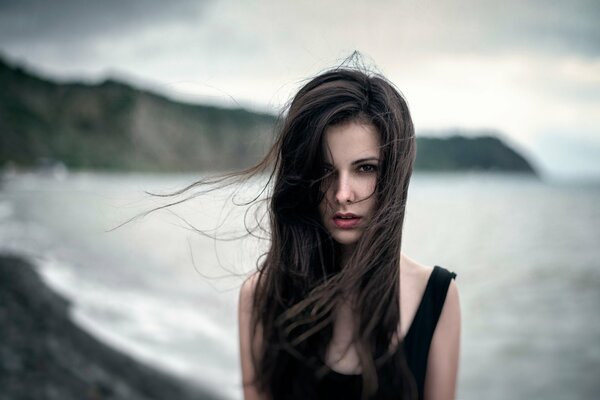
x=114 y=126
x=459 y=153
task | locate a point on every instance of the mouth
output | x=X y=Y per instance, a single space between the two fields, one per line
x=346 y=220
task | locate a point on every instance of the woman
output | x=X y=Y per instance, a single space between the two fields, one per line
x=336 y=310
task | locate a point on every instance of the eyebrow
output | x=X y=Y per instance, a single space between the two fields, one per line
x=359 y=161
x=362 y=160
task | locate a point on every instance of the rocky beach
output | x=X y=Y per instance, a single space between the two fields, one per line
x=45 y=355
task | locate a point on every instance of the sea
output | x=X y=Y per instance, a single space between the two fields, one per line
x=157 y=274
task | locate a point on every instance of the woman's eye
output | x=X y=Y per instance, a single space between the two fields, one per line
x=367 y=168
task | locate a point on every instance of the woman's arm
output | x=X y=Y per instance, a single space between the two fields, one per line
x=245 y=328
x=442 y=362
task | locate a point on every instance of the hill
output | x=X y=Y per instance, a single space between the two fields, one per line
x=460 y=153
x=115 y=126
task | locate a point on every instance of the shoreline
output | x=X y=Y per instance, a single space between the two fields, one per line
x=44 y=354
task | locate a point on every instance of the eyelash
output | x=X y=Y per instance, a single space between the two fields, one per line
x=371 y=168
x=361 y=168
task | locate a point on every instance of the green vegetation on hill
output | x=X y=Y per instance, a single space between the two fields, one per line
x=458 y=153
x=113 y=126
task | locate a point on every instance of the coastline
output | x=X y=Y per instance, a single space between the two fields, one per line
x=44 y=354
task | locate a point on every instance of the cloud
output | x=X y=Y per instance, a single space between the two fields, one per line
x=526 y=68
x=419 y=27
x=72 y=20
x=78 y=32
x=535 y=26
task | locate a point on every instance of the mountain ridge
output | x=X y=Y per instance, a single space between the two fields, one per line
x=112 y=125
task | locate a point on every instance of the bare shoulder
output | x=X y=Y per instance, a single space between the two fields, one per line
x=250 y=342
x=420 y=274
x=247 y=292
x=413 y=281
x=250 y=283
x=413 y=272
x=444 y=352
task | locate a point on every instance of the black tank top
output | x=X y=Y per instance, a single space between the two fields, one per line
x=416 y=344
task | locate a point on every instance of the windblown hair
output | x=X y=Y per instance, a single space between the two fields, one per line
x=300 y=282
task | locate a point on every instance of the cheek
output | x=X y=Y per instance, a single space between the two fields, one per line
x=371 y=194
x=373 y=185
x=368 y=186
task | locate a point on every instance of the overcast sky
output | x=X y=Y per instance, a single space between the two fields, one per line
x=529 y=69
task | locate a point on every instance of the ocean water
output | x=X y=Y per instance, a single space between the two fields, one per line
x=526 y=252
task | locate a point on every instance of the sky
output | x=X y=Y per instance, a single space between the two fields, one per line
x=528 y=70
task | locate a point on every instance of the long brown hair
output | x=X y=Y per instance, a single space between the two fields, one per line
x=300 y=282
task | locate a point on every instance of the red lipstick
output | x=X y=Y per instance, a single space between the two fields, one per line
x=346 y=220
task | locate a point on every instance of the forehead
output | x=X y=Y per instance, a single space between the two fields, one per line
x=350 y=141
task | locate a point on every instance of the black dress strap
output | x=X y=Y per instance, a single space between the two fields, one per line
x=440 y=282
x=418 y=339
x=416 y=348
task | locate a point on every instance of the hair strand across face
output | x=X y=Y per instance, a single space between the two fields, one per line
x=301 y=280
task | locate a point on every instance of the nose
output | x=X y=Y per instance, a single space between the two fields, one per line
x=343 y=190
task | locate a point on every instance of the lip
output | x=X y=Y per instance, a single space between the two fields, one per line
x=346 y=220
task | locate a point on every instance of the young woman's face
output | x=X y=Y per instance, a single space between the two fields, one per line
x=351 y=154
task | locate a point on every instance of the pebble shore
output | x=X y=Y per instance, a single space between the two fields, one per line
x=45 y=355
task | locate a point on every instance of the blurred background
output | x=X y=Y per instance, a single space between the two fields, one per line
x=102 y=102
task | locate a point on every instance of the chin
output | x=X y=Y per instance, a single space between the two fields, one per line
x=346 y=238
